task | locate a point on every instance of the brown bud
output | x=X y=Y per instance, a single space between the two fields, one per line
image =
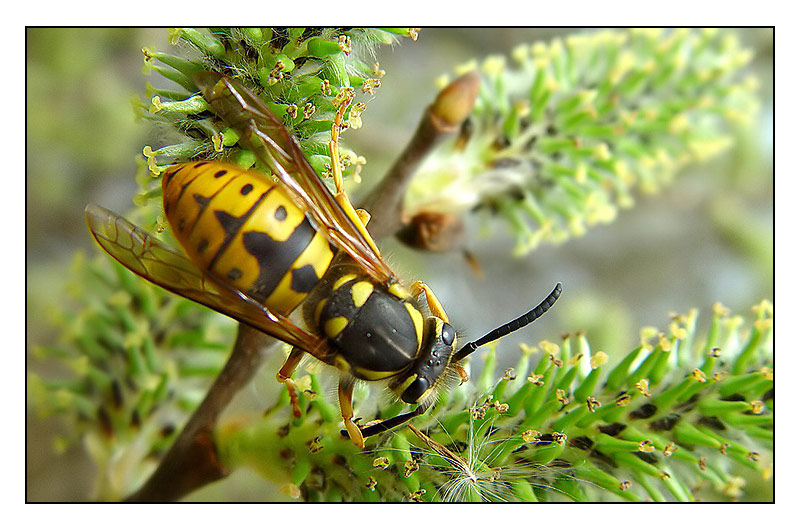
x=433 y=231
x=454 y=103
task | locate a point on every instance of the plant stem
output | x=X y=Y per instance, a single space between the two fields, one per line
x=440 y=120
x=192 y=460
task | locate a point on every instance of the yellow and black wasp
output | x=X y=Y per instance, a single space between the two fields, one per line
x=258 y=247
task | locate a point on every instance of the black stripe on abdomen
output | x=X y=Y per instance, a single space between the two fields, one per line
x=275 y=258
x=203 y=203
x=231 y=225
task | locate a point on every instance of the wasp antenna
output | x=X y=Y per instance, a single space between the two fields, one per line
x=391 y=423
x=512 y=326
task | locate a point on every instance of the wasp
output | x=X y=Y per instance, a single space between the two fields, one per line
x=258 y=247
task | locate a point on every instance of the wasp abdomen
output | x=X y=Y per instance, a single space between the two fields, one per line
x=242 y=228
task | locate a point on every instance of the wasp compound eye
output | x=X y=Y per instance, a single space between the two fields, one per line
x=415 y=390
x=448 y=334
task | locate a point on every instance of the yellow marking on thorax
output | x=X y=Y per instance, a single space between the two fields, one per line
x=341 y=363
x=399 y=291
x=373 y=375
x=360 y=292
x=343 y=280
x=416 y=317
x=334 y=326
x=319 y=308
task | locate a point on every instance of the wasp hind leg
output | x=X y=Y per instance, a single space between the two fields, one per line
x=359 y=217
x=284 y=375
x=363 y=215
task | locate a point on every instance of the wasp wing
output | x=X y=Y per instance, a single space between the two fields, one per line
x=264 y=134
x=151 y=259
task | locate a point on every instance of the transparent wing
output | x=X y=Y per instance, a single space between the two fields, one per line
x=264 y=134
x=151 y=259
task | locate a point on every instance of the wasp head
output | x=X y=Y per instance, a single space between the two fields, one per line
x=418 y=383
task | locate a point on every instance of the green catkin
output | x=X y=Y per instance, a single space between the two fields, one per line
x=523 y=491
x=486 y=379
x=174 y=76
x=539 y=393
x=571 y=418
x=739 y=383
x=660 y=367
x=605 y=481
x=649 y=485
x=679 y=491
x=519 y=397
x=587 y=386
x=205 y=43
x=670 y=396
x=567 y=379
x=747 y=355
x=166 y=93
x=619 y=373
x=645 y=367
x=609 y=90
x=630 y=460
x=300 y=472
x=184 y=66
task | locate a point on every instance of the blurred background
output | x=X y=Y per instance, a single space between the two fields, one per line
x=707 y=238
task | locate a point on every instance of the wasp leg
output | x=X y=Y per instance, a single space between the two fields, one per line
x=359 y=221
x=336 y=169
x=284 y=375
x=346 y=386
x=461 y=373
x=391 y=423
x=433 y=302
x=333 y=145
x=364 y=216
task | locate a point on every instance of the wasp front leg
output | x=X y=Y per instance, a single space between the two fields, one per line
x=284 y=375
x=390 y=423
x=436 y=308
x=433 y=303
x=346 y=386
